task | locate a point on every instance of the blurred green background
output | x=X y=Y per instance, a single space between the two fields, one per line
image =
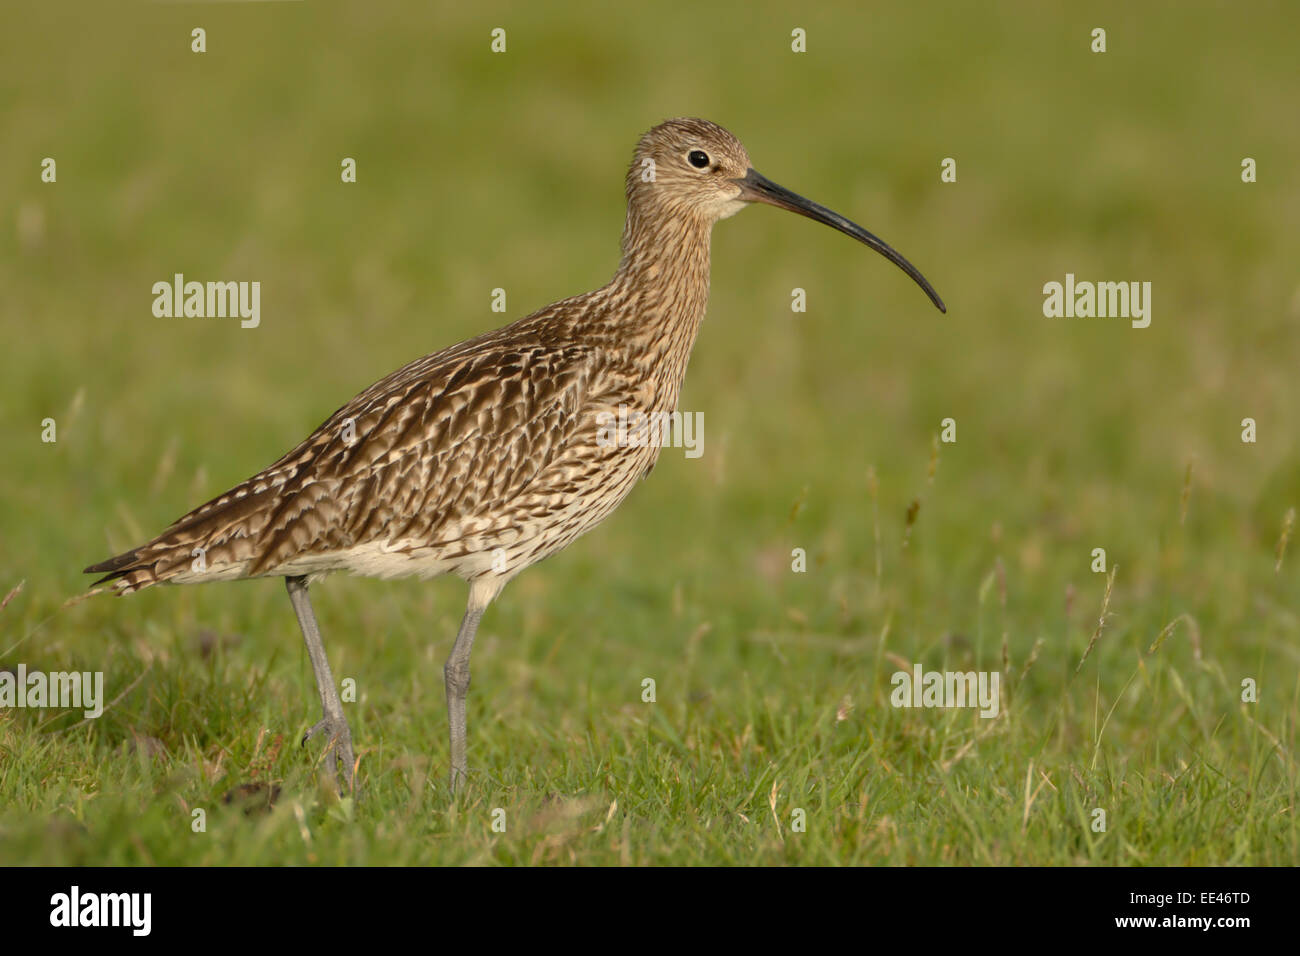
x=479 y=170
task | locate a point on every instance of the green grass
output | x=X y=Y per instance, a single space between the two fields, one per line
x=477 y=172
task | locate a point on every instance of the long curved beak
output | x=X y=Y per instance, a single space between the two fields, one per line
x=758 y=188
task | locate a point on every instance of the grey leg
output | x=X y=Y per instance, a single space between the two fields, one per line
x=333 y=723
x=456 y=673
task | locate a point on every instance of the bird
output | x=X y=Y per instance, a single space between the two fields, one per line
x=483 y=458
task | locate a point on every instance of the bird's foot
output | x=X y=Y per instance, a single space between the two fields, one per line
x=338 y=749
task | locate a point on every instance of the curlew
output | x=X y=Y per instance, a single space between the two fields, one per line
x=486 y=457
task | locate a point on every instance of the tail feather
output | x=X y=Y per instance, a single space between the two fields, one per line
x=169 y=555
x=127 y=570
x=222 y=529
x=113 y=567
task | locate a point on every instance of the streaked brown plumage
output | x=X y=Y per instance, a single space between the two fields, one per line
x=484 y=458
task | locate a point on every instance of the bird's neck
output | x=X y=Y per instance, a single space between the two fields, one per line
x=662 y=291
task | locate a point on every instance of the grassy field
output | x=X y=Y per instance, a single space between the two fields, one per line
x=479 y=171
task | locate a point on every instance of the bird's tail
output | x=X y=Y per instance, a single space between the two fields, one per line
x=128 y=571
x=211 y=543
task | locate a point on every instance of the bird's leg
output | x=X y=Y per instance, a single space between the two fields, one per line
x=332 y=724
x=456 y=673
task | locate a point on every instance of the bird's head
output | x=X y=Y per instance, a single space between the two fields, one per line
x=694 y=170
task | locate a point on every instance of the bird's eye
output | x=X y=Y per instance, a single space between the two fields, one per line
x=698 y=158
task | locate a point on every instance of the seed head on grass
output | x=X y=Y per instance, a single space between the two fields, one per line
x=1029 y=661
x=798 y=505
x=934 y=461
x=1101 y=620
x=12 y=594
x=1288 y=524
x=912 y=511
x=1193 y=632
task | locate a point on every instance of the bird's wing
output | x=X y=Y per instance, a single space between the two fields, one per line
x=434 y=445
